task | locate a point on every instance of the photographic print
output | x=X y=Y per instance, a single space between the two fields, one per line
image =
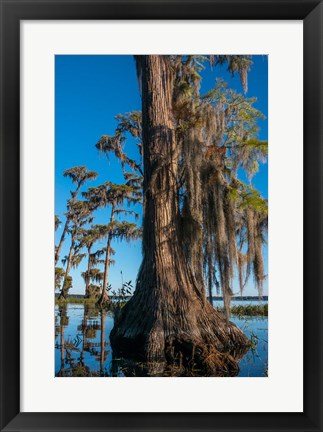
x=161 y=216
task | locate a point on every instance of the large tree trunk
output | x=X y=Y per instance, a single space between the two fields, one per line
x=168 y=319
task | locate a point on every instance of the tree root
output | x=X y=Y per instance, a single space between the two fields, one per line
x=182 y=355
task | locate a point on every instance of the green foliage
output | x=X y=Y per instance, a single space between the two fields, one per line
x=251 y=198
x=67 y=284
x=77 y=259
x=59 y=275
x=111 y=194
x=123 y=292
x=94 y=291
x=57 y=222
x=89 y=237
x=247 y=197
x=94 y=275
x=240 y=64
x=233 y=194
x=114 y=144
x=121 y=295
x=80 y=174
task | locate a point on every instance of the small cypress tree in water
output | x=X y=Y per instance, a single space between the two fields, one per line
x=79 y=176
x=92 y=274
x=113 y=196
x=199 y=218
x=79 y=214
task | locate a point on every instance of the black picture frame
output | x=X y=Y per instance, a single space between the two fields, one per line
x=12 y=12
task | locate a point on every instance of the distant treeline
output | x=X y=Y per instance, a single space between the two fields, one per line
x=81 y=296
x=236 y=298
x=243 y=298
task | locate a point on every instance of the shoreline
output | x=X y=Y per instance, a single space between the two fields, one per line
x=236 y=310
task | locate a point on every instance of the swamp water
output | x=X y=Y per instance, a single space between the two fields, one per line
x=82 y=346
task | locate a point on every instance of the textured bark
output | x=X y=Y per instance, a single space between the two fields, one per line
x=169 y=320
x=210 y=280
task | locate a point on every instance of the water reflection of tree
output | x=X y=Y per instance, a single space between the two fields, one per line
x=88 y=329
x=70 y=363
x=98 y=349
x=181 y=368
x=103 y=352
x=63 y=322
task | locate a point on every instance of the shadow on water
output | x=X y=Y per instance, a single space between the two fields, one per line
x=82 y=348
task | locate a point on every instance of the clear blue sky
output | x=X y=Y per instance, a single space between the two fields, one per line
x=89 y=92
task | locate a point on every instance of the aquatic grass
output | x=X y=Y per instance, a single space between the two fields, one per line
x=76 y=300
x=248 y=310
